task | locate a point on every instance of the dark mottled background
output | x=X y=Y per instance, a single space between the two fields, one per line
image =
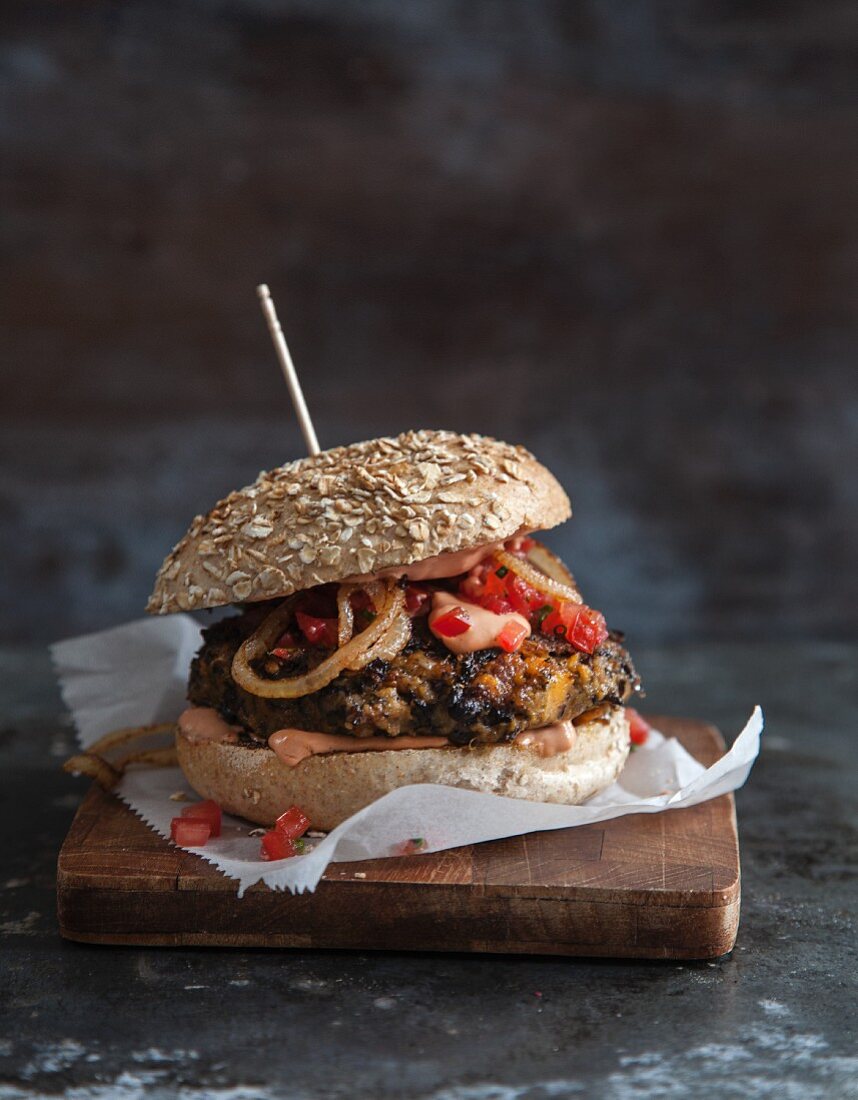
x=624 y=234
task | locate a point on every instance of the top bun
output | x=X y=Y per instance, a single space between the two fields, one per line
x=355 y=510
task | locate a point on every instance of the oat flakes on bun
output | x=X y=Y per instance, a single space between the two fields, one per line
x=397 y=623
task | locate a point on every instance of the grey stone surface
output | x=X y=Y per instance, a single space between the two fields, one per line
x=624 y=234
x=776 y=1019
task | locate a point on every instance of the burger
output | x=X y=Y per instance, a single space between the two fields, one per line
x=397 y=622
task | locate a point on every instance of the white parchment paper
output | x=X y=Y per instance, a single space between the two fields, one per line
x=136 y=674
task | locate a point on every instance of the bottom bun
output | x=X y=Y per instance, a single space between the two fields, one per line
x=256 y=784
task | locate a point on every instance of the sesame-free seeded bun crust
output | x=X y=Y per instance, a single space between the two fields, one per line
x=356 y=510
x=254 y=783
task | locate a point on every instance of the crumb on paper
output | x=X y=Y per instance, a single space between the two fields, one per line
x=316 y=833
x=256 y=832
x=179 y=796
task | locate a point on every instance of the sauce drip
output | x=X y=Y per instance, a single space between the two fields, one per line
x=205 y=724
x=439 y=566
x=548 y=741
x=485 y=625
x=292 y=746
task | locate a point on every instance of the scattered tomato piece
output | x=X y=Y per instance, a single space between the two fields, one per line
x=452 y=623
x=417 y=598
x=277 y=846
x=318 y=631
x=512 y=635
x=589 y=629
x=188 y=833
x=494 y=583
x=497 y=604
x=553 y=623
x=523 y=596
x=639 y=728
x=208 y=812
x=502 y=590
x=293 y=823
x=578 y=624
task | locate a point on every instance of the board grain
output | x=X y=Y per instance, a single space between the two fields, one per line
x=643 y=886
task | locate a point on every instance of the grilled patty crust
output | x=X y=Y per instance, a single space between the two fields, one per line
x=488 y=696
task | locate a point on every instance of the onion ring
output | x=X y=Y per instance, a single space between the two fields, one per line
x=538 y=579
x=158 y=758
x=123 y=736
x=393 y=642
x=87 y=763
x=353 y=655
x=549 y=564
x=108 y=772
x=345 y=613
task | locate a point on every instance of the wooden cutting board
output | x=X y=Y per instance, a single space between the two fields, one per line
x=660 y=886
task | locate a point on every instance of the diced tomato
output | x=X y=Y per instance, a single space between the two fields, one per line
x=501 y=590
x=452 y=623
x=417 y=598
x=512 y=635
x=494 y=583
x=293 y=823
x=639 y=728
x=578 y=624
x=277 y=846
x=497 y=604
x=189 y=833
x=553 y=623
x=523 y=596
x=318 y=631
x=207 y=811
x=588 y=630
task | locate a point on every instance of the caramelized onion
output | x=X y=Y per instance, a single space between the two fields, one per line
x=528 y=572
x=107 y=772
x=345 y=613
x=158 y=758
x=393 y=641
x=355 y=654
x=550 y=564
x=88 y=763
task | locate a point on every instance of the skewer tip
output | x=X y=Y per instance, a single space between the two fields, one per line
x=263 y=291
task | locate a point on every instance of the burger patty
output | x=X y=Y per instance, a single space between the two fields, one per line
x=488 y=696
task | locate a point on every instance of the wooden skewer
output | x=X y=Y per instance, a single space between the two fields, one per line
x=288 y=368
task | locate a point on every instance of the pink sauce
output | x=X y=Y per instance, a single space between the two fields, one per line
x=439 y=566
x=205 y=724
x=293 y=746
x=485 y=625
x=548 y=741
